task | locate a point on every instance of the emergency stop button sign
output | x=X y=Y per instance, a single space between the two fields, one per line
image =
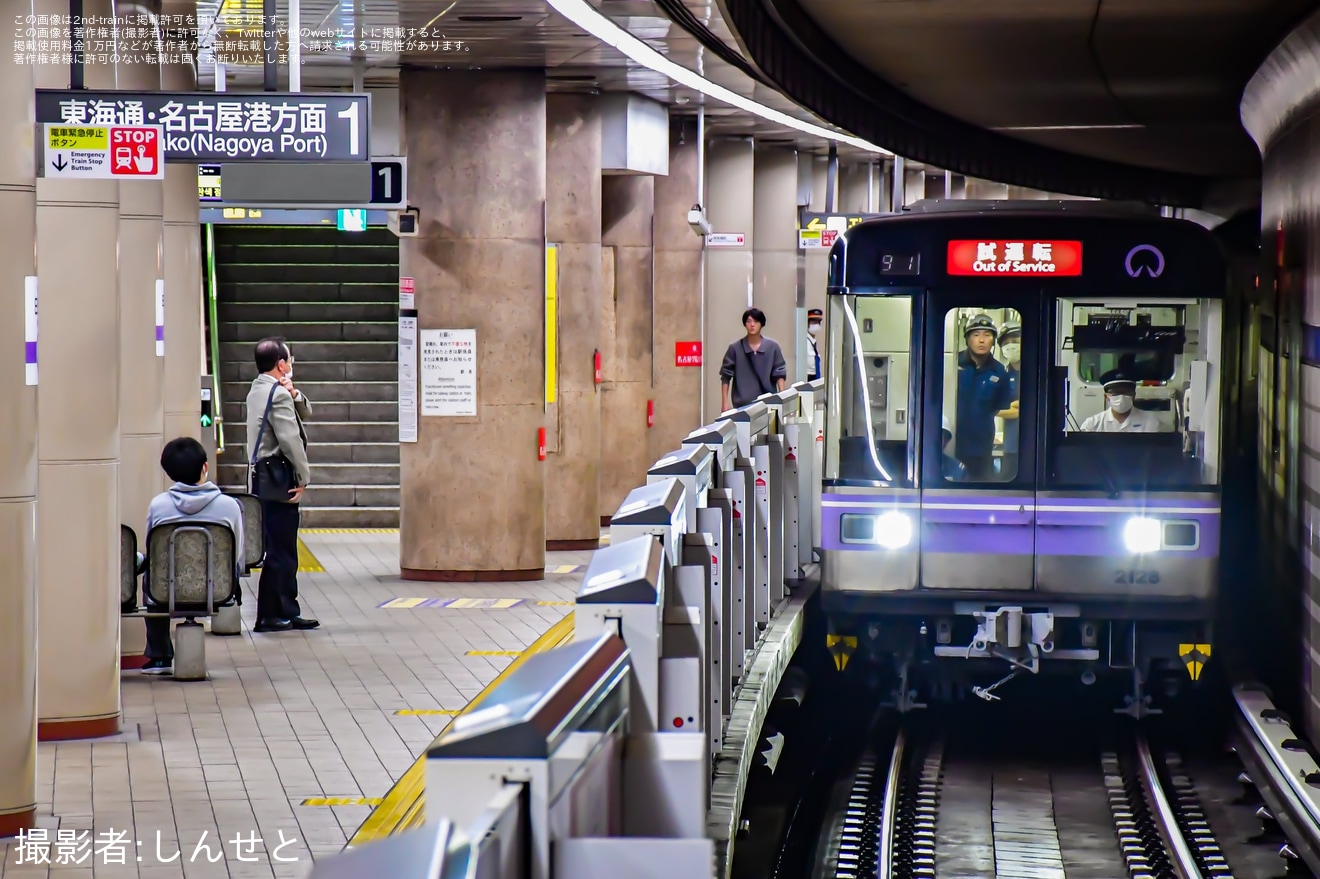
x=104 y=152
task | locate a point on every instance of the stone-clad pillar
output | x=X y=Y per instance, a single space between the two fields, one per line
x=729 y=192
x=18 y=453
x=774 y=256
x=679 y=276
x=473 y=491
x=627 y=206
x=78 y=440
x=141 y=306
x=184 y=349
x=573 y=182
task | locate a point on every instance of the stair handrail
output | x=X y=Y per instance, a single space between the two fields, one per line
x=213 y=341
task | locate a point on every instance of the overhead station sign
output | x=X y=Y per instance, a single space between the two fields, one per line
x=1015 y=259
x=818 y=231
x=112 y=152
x=220 y=127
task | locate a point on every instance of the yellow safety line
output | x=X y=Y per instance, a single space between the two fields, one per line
x=341 y=801
x=308 y=563
x=494 y=653
x=349 y=530
x=402 y=807
x=419 y=712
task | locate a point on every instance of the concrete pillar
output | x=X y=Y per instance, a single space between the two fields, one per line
x=141 y=306
x=184 y=345
x=573 y=184
x=816 y=263
x=627 y=265
x=679 y=286
x=730 y=183
x=853 y=183
x=473 y=491
x=18 y=454
x=774 y=254
x=78 y=432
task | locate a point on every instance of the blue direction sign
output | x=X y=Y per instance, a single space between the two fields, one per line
x=227 y=127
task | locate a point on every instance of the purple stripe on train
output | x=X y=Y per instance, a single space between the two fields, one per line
x=992 y=525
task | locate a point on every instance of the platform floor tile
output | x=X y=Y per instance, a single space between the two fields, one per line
x=296 y=733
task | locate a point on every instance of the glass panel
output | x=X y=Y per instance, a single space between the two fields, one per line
x=980 y=423
x=1136 y=394
x=870 y=352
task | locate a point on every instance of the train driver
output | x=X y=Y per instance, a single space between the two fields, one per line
x=1119 y=414
x=984 y=390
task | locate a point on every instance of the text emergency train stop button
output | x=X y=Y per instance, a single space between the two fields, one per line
x=103 y=152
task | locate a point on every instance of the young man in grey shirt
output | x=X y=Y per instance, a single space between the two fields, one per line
x=753 y=365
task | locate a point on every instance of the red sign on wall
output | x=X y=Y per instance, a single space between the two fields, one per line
x=1015 y=259
x=687 y=353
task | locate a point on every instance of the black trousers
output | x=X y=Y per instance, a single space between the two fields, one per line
x=277 y=593
x=159 y=645
x=980 y=468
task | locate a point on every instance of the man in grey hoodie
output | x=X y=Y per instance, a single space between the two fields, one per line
x=277 y=593
x=192 y=498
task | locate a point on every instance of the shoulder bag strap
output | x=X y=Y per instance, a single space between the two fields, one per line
x=752 y=364
x=265 y=417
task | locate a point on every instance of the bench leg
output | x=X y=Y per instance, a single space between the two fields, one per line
x=189 y=651
x=227 y=621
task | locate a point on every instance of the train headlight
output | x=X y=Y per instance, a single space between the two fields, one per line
x=893 y=530
x=1141 y=535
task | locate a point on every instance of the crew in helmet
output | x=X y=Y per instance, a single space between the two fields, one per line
x=1010 y=345
x=1120 y=415
x=984 y=391
x=951 y=467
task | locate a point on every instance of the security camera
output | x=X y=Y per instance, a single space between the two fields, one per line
x=406 y=223
x=697 y=220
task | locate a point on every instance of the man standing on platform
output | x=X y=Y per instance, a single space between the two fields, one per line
x=753 y=365
x=814 y=318
x=275 y=413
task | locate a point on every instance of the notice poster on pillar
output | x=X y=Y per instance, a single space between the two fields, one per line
x=407 y=379
x=30 y=328
x=449 y=373
x=407 y=294
x=160 y=317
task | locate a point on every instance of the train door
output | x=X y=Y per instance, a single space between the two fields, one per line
x=978 y=496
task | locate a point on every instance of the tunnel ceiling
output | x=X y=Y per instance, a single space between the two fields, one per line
x=1153 y=85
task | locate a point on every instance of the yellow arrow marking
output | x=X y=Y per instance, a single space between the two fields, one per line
x=815 y=223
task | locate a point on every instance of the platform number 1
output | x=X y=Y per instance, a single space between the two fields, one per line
x=354 y=140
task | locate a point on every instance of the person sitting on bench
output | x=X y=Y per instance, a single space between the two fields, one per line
x=192 y=498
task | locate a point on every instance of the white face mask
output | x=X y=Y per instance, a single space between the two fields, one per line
x=813 y=328
x=1120 y=404
x=1012 y=352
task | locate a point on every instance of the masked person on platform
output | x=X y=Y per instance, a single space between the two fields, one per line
x=814 y=318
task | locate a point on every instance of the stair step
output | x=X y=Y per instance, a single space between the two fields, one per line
x=379 y=352
x=328 y=431
x=350 y=517
x=229 y=236
x=312 y=331
x=243 y=371
x=247 y=292
x=338 y=251
x=350 y=495
x=345 y=392
x=294 y=273
x=325 y=410
x=325 y=453
x=373 y=475
x=272 y=312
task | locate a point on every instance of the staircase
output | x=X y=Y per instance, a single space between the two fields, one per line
x=334 y=296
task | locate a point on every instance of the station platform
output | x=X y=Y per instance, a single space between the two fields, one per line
x=304 y=733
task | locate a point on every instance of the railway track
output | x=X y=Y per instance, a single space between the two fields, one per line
x=919 y=806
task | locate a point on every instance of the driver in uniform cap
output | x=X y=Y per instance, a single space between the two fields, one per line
x=984 y=390
x=1119 y=415
x=814 y=317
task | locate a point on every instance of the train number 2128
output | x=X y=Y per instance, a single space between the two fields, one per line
x=1135 y=577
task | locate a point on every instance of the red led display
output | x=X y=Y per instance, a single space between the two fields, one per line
x=1016 y=259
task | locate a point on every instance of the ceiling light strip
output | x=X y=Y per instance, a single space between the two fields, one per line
x=585 y=16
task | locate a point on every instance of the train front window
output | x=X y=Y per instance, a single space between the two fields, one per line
x=1135 y=394
x=980 y=423
x=870 y=353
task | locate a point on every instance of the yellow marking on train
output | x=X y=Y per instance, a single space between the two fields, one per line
x=403 y=807
x=426 y=712
x=841 y=647
x=1194 y=656
x=554 y=603
x=341 y=801
x=308 y=563
x=403 y=603
x=494 y=653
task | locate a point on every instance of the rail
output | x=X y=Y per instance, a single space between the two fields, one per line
x=1166 y=820
x=889 y=809
x=1282 y=769
x=626 y=752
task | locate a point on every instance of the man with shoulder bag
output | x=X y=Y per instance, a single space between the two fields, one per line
x=278 y=475
x=753 y=365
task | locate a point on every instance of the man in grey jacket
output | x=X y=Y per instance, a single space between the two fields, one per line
x=277 y=593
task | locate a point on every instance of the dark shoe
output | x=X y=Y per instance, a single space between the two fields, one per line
x=272 y=625
x=304 y=623
x=158 y=667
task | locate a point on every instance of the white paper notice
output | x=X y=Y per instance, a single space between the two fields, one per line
x=449 y=372
x=407 y=379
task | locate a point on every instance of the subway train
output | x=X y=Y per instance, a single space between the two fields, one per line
x=1023 y=447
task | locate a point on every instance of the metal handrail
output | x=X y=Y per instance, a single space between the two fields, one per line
x=210 y=293
x=1282 y=769
x=1183 y=862
x=889 y=809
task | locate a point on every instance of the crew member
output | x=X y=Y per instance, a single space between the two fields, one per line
x=983 y=392
x=814 y=318
x=1010 y=345
x=1119 y=414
